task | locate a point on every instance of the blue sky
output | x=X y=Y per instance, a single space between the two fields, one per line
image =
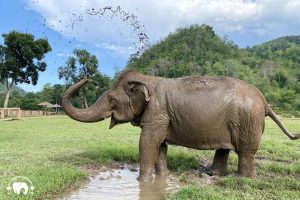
x=67 y=25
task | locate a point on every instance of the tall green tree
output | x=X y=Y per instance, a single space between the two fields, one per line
x=21 y=60
x=58 y=93
x=47 y=93
x=52 y=93
x=79 y=65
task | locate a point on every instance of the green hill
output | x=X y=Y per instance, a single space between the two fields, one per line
x=183 y=52
x=274 y=66
x=283 y=47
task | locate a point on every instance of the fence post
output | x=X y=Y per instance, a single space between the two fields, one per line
x=1 y=113
x=18 y=113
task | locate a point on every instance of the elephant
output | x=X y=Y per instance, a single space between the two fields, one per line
x=199 y=112
x=20 y=187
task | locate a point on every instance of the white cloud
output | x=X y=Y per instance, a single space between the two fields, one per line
x=123 y=51
x=63 y=54
x=60 y=54
x=255 y=17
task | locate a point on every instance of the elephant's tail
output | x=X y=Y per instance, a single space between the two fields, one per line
x=271 y=114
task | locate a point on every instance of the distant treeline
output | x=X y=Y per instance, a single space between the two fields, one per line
x=52 y=94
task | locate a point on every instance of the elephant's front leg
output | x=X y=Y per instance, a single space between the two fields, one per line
x=149 y=146
x=161 y=162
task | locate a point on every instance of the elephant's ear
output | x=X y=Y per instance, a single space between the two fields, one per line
x=139 y=96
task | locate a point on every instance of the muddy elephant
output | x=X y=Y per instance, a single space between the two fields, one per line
x=207 y=113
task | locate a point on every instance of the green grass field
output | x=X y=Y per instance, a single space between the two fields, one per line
x=55 y=153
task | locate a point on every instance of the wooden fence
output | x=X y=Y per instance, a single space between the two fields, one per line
x=18 y=113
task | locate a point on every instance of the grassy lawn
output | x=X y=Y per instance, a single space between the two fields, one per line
x=55 y=152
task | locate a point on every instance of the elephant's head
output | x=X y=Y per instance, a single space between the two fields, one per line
x=124 y=102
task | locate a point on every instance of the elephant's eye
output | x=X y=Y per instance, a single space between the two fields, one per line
x=112 y=100
x=133 y=90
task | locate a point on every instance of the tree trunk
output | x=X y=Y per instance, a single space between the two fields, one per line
x=8 y=90
x=85 y=102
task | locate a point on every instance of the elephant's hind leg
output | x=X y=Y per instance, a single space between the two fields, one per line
x=219 y=164
x=250 y=137
x=246 y=166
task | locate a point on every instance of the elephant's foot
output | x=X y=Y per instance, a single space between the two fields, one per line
x=162 y=172
x=249 y=174
x=218 y=171
x=145 y=178
x=246 y=165
x=211 y=171
x=219 y=164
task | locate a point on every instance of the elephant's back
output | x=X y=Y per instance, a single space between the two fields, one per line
x=225 y=89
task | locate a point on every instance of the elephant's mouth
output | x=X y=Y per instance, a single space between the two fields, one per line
x=114 y=121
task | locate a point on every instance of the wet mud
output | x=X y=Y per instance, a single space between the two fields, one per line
x=121 y=183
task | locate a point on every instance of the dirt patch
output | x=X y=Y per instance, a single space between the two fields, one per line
x=11 y=119
x=200 y=175
x=196 y=176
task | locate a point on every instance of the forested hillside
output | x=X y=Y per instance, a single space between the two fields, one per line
x=274 y=66
x=282 y=48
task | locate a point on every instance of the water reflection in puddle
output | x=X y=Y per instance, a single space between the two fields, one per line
x=122 y=184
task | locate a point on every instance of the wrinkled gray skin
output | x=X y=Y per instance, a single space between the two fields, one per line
x=219 y=113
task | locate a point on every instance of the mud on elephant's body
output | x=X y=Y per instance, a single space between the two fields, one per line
x=218 y=113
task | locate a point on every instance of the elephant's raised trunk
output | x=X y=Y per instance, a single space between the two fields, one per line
x=97 y=112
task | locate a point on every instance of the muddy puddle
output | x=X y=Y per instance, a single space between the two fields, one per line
x=121 y=183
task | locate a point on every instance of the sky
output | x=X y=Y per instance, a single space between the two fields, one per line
x=69 y=24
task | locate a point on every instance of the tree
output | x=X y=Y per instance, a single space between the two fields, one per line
x=52 y=94
x=58 y=93
x=21 y=60
x=47 y=94
x=30 y=101
x=293 y=53
x=81 y=64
